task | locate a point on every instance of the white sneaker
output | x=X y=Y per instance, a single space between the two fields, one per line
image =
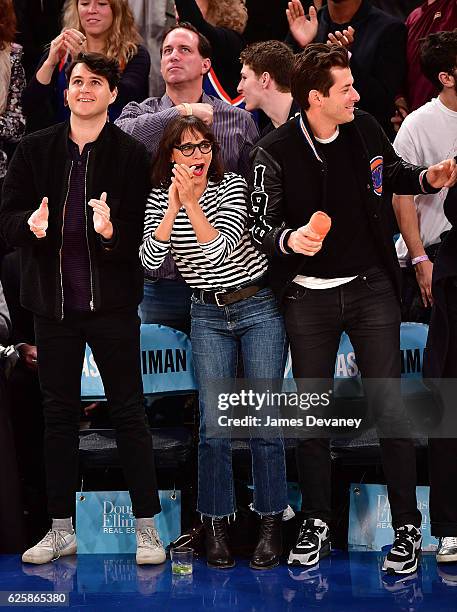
x=56 y=543
x=149 y=548
x=447 y=550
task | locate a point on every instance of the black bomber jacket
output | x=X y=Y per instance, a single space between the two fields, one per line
x=41 y=166
x=282 y=200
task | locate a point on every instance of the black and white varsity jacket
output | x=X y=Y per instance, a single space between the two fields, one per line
x=282 y=198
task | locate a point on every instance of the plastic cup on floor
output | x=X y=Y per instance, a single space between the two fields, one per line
x=181 y=561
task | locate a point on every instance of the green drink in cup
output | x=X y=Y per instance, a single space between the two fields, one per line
x=181 y=561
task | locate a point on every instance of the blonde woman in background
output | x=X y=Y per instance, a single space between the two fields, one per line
x=101 y=26
x=223 y=23
x=12 y=83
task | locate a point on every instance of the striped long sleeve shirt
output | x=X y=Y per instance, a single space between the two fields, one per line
x=229 y=260
x=234 y=128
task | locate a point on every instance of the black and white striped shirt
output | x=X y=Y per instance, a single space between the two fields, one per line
x=228 y=260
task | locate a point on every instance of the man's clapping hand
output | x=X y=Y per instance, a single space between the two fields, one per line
x=38 y=221
x=102 y=223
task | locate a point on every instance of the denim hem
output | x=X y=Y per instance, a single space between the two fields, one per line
x=269 y=513
x=213 y=516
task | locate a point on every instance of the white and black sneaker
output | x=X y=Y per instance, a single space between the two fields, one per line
x=447 y=550
x=313 y=543
x=403 y=557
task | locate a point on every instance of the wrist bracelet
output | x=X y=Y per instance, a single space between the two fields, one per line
x=187 y=108
x=417 y=260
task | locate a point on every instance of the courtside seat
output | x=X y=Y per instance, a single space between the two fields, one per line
x=172 y=448
x=364 y=449
x=167 y=369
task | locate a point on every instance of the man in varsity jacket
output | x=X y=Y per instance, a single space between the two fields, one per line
x=337 y=159
x=73 y=202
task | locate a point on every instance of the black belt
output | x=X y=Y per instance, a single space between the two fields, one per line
x=224 y=297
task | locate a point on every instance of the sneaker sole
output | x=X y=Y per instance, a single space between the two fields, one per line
x=446 y=558
x=409 y=570
x=157 y=561
x=72 y=550
x=297 y=559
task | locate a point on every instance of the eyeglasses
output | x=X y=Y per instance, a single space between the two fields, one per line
x=188 y=149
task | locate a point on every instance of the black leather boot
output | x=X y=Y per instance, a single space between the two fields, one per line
x=269 y=546
x=216 y=541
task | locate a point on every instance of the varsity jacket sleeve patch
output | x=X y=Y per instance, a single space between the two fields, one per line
x=265 y=205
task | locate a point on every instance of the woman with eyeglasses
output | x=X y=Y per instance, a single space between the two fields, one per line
x=199 y=214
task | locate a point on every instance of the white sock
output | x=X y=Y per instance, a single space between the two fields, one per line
x=64 y=524
x=142 y=523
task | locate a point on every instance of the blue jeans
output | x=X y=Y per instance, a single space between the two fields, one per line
x=166 y=302
x=255 y=326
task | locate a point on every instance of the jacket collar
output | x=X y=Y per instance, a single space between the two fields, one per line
x=359 y=16
x=305 y=129
x=104 y=134
x=167 y=102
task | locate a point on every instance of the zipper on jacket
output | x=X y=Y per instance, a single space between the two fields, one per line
x=61 y=244
x=91 y=303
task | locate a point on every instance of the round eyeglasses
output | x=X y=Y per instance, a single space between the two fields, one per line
x=188 y=148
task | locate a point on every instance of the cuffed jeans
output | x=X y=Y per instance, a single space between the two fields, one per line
x=368 y=310
x=115 y=342
x=256 y=327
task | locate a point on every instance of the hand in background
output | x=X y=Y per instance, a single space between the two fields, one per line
x=424 y=271
x=344 y=38
x=28 y=354
x=302 y=29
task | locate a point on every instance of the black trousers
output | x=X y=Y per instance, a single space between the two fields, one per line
x=12 y=532
x=368 y=310
x=442 y=452
x=115 y=342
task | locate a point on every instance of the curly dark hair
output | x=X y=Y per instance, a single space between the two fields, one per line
x=161 y=167
x=438 y=53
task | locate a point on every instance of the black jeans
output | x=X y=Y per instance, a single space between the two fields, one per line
x=368 y=311
x=115 y=342
x=442 y=452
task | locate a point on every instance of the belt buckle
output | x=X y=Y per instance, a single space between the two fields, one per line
x=216 y=297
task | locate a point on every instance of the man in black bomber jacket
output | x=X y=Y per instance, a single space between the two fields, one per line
x=73 y=201
x=338 y=160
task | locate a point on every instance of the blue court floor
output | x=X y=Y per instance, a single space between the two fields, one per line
x=343 y=582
